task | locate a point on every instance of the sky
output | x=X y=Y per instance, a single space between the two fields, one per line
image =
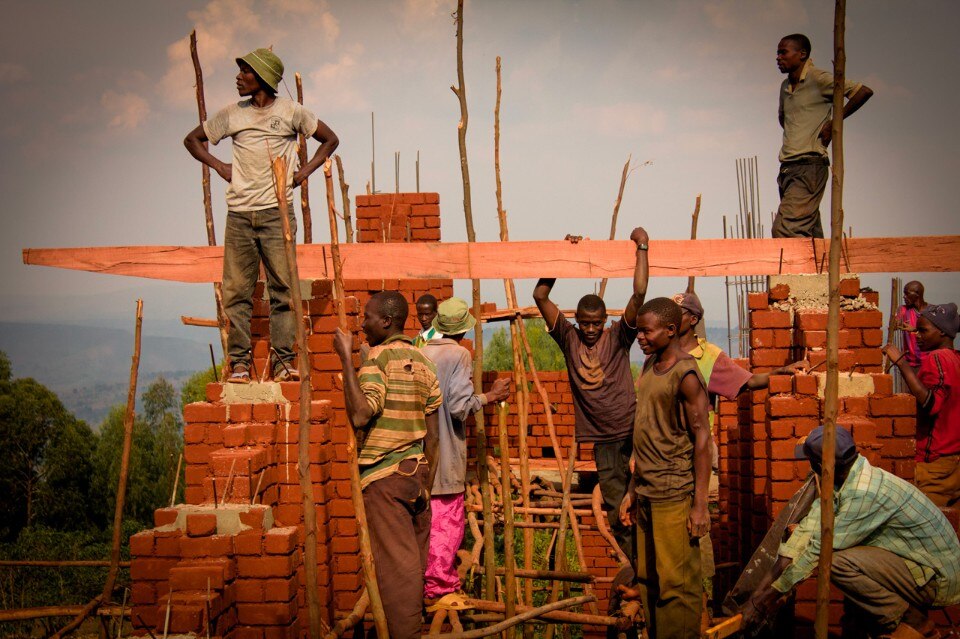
x=96 y=97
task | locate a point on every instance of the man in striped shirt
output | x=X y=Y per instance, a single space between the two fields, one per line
x=393 y=402
x=895 y=554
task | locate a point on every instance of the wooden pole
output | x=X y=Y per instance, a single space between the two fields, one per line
x=510 y=622
x=303 y=441
x=892 y=321
x=509 y=562
x=519 y=372
x=176 y=479
x=693 y=236
x=128 y=419
x=461 y=92
x=304 y=186
x=207 y=198
x=821 y=622
x=351 y=620
x=616 y=213
x=560 y=556
x=356 y=492
x=345 y=194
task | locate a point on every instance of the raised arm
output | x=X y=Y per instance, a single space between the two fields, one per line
x=541 y=295
x=328 y=143
x=853 y=105
x=195 y=144
x=641 y=275
x=358 y=408
x=696 y=408
x=762 y=380
x=910 y=377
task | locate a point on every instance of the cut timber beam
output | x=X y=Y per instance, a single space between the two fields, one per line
x=526 y=260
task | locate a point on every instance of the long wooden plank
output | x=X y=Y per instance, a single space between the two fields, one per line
x=527 y=260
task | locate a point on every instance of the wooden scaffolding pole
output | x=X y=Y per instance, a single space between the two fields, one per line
x=509 y=563
x=821 y=623
x=356 y=491
x=693 y=236
x=345 y=194
x=519 y=372
x=616 y=213
x=303 y=442
x=461 y=92
x=128 y=419
x=207 y=198
x=304 y=186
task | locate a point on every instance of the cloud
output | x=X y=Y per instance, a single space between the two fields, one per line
x=12 y=72
x=338 y=80
x=623 y=119
x=125 y=110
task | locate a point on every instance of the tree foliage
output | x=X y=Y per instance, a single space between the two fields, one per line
x=498 y=354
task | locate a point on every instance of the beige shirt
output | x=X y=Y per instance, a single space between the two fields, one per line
x=805 y=109
x=259 y=135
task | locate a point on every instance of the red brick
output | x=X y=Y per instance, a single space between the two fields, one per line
x=805 y=385
x=234 y=435
x=263 y=567
x=150 y=569
x=164 y=516
x=193 y=433
x=280 y=589
x=782 y=406
x=141 y=544
x=894 y=405
x=769 y=357
x=248 y=542
x=784 y=471
x=201 y=524
x=780 y=384
x=850 y=287
x=783 y=449
x=873 y=337
x=758 y=301
x=811 y=321
x=882 y=384
x=142 y=593
x=280 y=541
x=783 y=490
x=240 y=412
x=431 y=198
x=781 y=429
x=769 y=319
x=905 y=426
x=212 y=546
x=197 y=453
x=204 y=412
x=196 y=577
x=861 y=319
x=267 y=614
x=855 y=406
x=899 y=448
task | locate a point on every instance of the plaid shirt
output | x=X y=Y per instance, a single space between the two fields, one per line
x=400 y=385
x=876 y=508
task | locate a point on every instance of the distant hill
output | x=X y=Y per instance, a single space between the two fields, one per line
x=89 y=367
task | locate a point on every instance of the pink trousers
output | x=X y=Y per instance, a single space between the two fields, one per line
x=446 y=535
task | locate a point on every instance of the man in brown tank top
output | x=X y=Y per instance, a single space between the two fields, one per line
x=667 y=496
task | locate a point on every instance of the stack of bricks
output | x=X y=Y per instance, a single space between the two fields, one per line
x=398 y=217
x=758 y=432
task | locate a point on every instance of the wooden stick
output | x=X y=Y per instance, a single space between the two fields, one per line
x=892 y=321
x=559 y=575
x=42 y=612
x=693 y=236
x=226 y=489
x=725 y=628
x=176 y=480
x=509 y=623
x=555 y=616
x=303 y=441
x=461 y=92
x=304 y=186
x=123 y=606
x=603 y=526
x=166 y=617
x=616 y=213
x=345 y=195
x=351 y=620
x=356 y=491
x=509 y=562
x=128 y=418
x=822 y=620
x=222 y=323
x=560 y=557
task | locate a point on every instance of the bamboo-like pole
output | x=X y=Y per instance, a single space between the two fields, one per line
x=519 y=373
x=128 y=418
x=304 y=186
x=351 y=620
x=821 y=622
x=693 y=236
x=509 y=562
x=560 y=575
x=510 y=622
x=345 y=195
x=892 y=320
x=42 y=612
x=461 y=92
x=560 y=556
x=207 y=198
x=558 y=616
x=356 y=492
x=616 y=213
x=303 y=442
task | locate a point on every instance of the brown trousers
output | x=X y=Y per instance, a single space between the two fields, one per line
x=801 y=188
x=398 y=516
x=940 y=480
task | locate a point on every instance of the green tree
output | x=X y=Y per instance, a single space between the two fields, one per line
x=498 y=355
x=195 y=388
x=67 y=471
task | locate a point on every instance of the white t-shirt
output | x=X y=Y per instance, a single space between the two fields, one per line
x=259 y=135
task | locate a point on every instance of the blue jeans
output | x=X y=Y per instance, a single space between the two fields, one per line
x=252 y=236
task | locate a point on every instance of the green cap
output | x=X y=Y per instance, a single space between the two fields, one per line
x=453 y=317
x=266 y=65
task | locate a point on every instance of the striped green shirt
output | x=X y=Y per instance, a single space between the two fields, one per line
x=400 y=385
x=876 y=508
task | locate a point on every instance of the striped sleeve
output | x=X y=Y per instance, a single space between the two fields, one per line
x=373 y=385
x=434 y=398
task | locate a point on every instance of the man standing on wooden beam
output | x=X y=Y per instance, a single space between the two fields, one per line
x=263 y=127
x=598 y=365
x=394 y=401
x=806 y=107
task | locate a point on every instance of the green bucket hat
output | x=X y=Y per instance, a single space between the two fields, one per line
x=453 y=317
x=266 y=65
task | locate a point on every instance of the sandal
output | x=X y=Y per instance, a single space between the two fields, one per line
x=239 y=375
x=452 y=601
x=286 y=374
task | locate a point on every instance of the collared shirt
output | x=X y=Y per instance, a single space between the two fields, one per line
x=454 y=370
x=876 y=508
x=721 y=373
x=425 y=336
x=400 y=385
x=804 y=110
